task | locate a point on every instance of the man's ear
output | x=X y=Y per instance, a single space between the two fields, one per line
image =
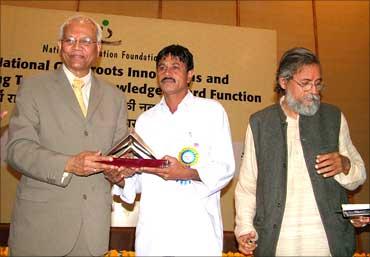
x=283 y=82
x=190 y=76
x=99 y=47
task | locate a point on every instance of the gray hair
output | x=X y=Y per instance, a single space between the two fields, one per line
x=291 y=61
x=81 y=18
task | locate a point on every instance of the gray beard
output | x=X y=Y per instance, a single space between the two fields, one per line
x=300 y=108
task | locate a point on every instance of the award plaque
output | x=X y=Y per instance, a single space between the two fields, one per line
x=353 y=210
x=133 y=144
x=137 y=162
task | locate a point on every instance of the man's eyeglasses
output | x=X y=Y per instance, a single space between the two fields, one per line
x=85 y=41
x=307 y=85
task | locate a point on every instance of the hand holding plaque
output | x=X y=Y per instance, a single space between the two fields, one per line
x=134 y=144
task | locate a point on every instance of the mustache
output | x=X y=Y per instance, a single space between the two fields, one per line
x=168 y=78
x=312 y=97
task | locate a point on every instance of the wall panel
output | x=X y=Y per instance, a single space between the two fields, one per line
x=137 y=8
x=292 y=20
x=69 y=5
x=216 y=12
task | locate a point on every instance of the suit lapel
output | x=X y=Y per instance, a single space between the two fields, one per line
x=68 y=97
x=66 y=93
x=96 y=94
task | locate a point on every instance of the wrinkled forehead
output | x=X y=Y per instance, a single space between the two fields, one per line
x=309 y=69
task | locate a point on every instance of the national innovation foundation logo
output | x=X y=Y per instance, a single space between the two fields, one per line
x=107 y=34
x=112 y=53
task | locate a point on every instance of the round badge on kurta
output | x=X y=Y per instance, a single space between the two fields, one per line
x=189 y=156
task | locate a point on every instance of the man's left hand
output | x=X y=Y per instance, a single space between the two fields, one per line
x=331 y=164
x=175 y=170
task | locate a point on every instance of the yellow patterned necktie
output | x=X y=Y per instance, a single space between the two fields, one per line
x=77 y=88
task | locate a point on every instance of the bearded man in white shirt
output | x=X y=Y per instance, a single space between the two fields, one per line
x=180 y=211
x=298 y=163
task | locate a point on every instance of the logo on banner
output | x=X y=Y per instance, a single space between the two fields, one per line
x=107 y=34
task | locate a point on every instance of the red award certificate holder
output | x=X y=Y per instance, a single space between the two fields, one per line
x=137 y=163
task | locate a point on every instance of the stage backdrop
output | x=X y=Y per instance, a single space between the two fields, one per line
x=232 y=65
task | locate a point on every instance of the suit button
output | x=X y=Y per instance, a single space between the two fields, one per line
x=86 y=133
x=84 y=196
x=278 y=205
x=274 y=226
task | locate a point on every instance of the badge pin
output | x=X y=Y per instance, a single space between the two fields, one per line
x=189 y=156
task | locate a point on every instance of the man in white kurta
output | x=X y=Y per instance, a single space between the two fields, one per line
x=181 y=216
x=302 y=231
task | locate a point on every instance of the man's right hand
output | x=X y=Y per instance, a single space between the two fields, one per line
x=3 y=114
x=247 y=243
x=360 y=221
x=87 y=163
x=117 y=176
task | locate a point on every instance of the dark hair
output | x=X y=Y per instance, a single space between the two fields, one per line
x=291 y=61
x=177 y=51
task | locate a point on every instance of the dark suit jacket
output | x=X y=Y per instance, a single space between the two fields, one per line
x=46 y=128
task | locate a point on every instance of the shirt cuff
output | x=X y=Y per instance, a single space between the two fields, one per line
x=65 y=175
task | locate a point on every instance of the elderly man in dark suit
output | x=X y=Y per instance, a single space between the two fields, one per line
x=57 y=133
